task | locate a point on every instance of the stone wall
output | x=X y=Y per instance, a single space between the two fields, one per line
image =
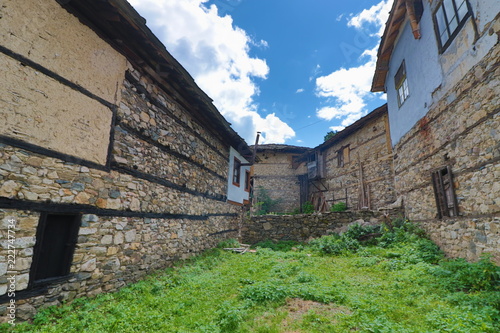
x=301 y=228
x=276 y=173
x=149 y=184
x=461 y=131
x=367 y=163
x=41 y=109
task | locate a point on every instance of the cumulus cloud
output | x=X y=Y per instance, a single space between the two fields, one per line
x=298 y=91
x=216 y=54
x=376 y=16
x=347 y=90
x=337 y=128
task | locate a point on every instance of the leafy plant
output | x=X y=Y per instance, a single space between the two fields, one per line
x=265 y=203
x=307 y=208
x=229 y=316
x=228 y=243
x=335 y=244
x=269 y=291
x=339 y=207
x=460 y=275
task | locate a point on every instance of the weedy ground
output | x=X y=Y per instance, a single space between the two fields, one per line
x=370 y=279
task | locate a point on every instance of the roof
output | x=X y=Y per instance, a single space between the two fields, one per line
x=392 y=27
x=378 y=112
x=282 y=148
x=119 y=24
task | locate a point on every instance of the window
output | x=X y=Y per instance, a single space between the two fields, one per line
x=247 y=180
x=401 y=84
x=343 y=156
x=449 y=18
x=236 y=171
x=55 y=243
x=446 y=202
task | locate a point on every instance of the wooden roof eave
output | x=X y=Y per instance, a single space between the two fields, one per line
x=396 y=17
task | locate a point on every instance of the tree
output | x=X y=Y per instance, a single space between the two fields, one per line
x=330 y=135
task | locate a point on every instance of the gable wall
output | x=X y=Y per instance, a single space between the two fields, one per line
x=275 y=174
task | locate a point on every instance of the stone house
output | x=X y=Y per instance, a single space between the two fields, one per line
x=438 y=62
x=113 y=162
x=280 y=174
x=354 y=167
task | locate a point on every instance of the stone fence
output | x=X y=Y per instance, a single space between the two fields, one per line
x=303 y=227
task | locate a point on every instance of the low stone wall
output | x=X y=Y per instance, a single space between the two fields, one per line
x=303 y=227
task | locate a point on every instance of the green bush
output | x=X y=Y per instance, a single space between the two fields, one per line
x=307 y=208
x=460 y=275
x=339 y=207
x=266 y=203
x=271 y=291
x=229 y=316
x=228 y=243
x=358 y=231
x=335 y=244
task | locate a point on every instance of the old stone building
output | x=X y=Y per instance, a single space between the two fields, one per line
x=280 y=174
x=353 y=167
x=113 y=162
x=438 y=62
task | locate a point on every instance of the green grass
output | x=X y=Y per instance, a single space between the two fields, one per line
x=398 y=283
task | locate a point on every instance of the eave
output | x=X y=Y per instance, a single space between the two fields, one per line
x=391 y=32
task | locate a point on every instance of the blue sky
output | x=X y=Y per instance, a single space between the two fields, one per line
x=293 y=70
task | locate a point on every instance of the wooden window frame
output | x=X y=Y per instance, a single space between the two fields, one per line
x=401 y=84
x=236 y=172
x=41 y=239
x=247 y=181
x=441 y=17
x=343 y=156
x=444 y=192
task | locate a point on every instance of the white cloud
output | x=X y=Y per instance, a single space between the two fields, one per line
x=299 y=90
x=337 y=128
x=376 y=16
x=315 y=72
x=347 y=89
x=216 y=54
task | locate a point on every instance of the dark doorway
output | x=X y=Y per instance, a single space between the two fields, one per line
x=55 y=243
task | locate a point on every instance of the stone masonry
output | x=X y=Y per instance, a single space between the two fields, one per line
x=278 y=175
x=149 y=188
x=302 y=228
x=365 y=178
x=460 y=131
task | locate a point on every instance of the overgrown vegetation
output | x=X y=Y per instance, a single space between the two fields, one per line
x=338 y=207
x=307 y=208
x=369 y=279
x=265 y=203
